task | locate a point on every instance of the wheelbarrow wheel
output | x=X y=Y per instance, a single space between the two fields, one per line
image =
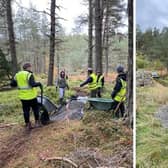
x=44 y=116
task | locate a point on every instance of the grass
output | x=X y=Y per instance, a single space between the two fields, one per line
x=10 y=107
x=163 y=80
x=151 y=137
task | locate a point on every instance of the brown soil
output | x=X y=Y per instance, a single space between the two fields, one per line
x=80 y=91
x=20 y=148
x=12 y=146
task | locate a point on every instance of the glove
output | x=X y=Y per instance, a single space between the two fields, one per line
x=13 y=83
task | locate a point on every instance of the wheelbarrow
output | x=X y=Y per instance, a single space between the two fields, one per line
x=101 y=103
x=49 y=111
x=104 y=104
x=46 y=108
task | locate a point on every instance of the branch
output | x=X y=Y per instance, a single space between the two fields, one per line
x=59 y=7
x=61 y=18
x=3 y=27
x=43 y=12
x=66 y=160
x=58 y=41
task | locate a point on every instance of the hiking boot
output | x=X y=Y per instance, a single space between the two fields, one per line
x=37 y=124
x=61 y=101
x=29 y=126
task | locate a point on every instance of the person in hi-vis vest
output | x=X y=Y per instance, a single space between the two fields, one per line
x=100 y=83
x=92 y=83
x=119 y=92
x=27 y=93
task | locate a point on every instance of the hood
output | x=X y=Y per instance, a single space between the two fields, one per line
x=122 y=76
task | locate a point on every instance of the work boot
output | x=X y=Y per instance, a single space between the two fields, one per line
x=28 y=126
x=61 y=101
x=37 y=124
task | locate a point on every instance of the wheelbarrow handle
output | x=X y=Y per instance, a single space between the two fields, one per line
x=41 y=89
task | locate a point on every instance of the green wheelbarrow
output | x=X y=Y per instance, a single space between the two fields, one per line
x=101 y=103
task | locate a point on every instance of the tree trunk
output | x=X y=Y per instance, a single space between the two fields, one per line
x=58 y=61
x=130 y=62
x=90 y=33
x=98 y=36
x=106 y=54
x=11 y=37
x=52 y=44
x=106 y=36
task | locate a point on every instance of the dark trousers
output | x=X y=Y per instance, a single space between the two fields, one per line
x=99 y=91
x=121 y=109
x=93 y=93
x=26 y=105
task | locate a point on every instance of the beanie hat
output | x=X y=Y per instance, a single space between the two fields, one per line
x=120 y=69
x=26 y=65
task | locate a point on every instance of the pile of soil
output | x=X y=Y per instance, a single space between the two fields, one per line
x=80 y=91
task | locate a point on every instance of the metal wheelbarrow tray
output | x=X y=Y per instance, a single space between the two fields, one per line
x=51 y=112
x=46 y=109
x=101 y=103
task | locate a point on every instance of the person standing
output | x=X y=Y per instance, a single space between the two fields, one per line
x=27 y=93
x=119 y=92
x=92 y=83
x=61 y=82
x=100 y=83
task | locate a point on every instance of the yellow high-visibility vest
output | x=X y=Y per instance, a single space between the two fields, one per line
x=121 y=95
x=25 y=91
x=93 y=84
x=99 y=82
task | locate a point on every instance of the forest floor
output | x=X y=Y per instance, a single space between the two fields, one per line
x=96 y=140
x=71 y=140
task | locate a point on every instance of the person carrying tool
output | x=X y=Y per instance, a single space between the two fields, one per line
x=61 y=82
x=119 y=92
x=27 y=93
x=92 y=83
x=100 y=83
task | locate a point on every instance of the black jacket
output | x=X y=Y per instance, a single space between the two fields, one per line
x=118 y=84
x=88 y=80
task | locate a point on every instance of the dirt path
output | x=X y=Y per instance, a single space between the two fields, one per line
x=162 y=115
x=20 y=147
x=12 y=146
x=15 y=144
